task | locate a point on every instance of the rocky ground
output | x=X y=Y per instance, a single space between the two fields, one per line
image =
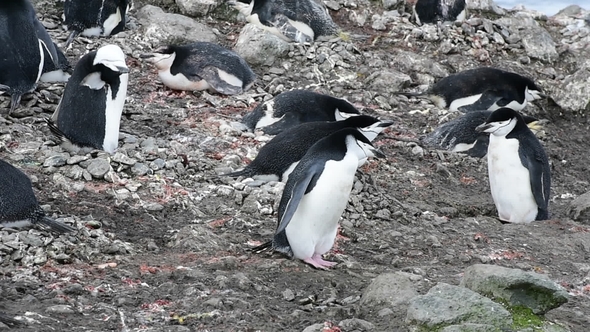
x=162 y=241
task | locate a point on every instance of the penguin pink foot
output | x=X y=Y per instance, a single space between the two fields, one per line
x=318 y=262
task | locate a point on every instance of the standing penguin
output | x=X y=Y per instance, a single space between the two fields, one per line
x=518 y=168
x=24 y=43
x=291 y=108
x=94 y=17
x=201 y=66
x=316 y=194
x=89 y=112
x=301 y=21
x=482 y=88
x=459 y=135
x=18 y=201
x=277 y=158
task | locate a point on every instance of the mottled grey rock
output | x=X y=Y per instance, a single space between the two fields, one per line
x=56 y=160
x=484 y=5
x=98 y=167
x=161 y=27
x=140 y=169
x=446 y=305
x=60 y=309
x=355 y=324
x=409 y=61
x=517 y=287
x=536 y=40
x=389 y=4
x=579 y=208
x=260 y=48
x=574 y=93
x=388 y=81
x=197 y=7
x=470 y=327
x=393 y=290
x=319 y=327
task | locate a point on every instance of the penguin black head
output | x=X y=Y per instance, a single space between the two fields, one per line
x=532 y=90
x=502 y=122
x=163 y=57
x=369 y=126
x=108 y=64
x=357 y=142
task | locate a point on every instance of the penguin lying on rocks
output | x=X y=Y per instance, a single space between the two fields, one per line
x=18 y=202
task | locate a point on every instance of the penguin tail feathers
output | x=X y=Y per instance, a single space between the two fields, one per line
x=56 y=226
x=263 y=247
x=243 y=172
x=8 y=320
x=70 y=39
x=56 y=131
x=14 y=101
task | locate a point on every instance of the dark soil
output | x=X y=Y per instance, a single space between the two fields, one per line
x=431 y=214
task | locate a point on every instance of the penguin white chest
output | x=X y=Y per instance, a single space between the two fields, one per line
x=113 y=111
x=313 y=228
x=181 y=82
x=510 y=181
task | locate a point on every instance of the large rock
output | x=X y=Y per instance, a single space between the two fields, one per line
x=446 y=305
x=260 y=48
x=517 y=287
x=536 y=40
x=161 y=27
x=470 y=327
x=388 y=81
x=390 y=290
x=409 y=61
x=197 y=7
x=574 y=93
x=484 y=5
x=579 y=208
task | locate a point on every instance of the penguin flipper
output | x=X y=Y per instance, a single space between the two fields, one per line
x=222 y=81
x=46 y=41
x=295 y=196
x=71 y=38
x=56 y=131
x=487 y=99
x=246 y=171
x=539 y=179
x=56 y=226
x=281 y=23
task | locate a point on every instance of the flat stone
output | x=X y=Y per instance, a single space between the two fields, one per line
x=60 y=309
x=161 y=27
x=517 y=287
x=197 y=7
x=98 y=167
x=259 y=47
x=446 y=305
x=391 y=290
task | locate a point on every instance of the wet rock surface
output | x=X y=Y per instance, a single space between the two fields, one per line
x=163 y=241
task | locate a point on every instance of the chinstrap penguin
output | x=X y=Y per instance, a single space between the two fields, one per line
x=94 y=17
x=483 y=88
x=89 y=112
x=200 y=66
x=518 y=168
x=431 y=11
x=315 y=196
x=18 y=202
x=24 y=45
x=291 y=108
x=301 y=21
x=459 y=134
x=277 y=158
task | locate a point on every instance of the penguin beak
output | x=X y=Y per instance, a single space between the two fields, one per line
x=146 y=56
x=122 y=70
x=385 y=124
x=483 y=127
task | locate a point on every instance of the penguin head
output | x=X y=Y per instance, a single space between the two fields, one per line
x=358 y=144
x=343 y=109
x=112 y=57
x=369 y=126
x=162 y=57
x=501 y=122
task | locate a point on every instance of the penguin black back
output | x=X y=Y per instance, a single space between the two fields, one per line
x=291 y=108
x=430 y=11
x=88 y=17
x=475 y=81
x=289 y=146
x=18 y=201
